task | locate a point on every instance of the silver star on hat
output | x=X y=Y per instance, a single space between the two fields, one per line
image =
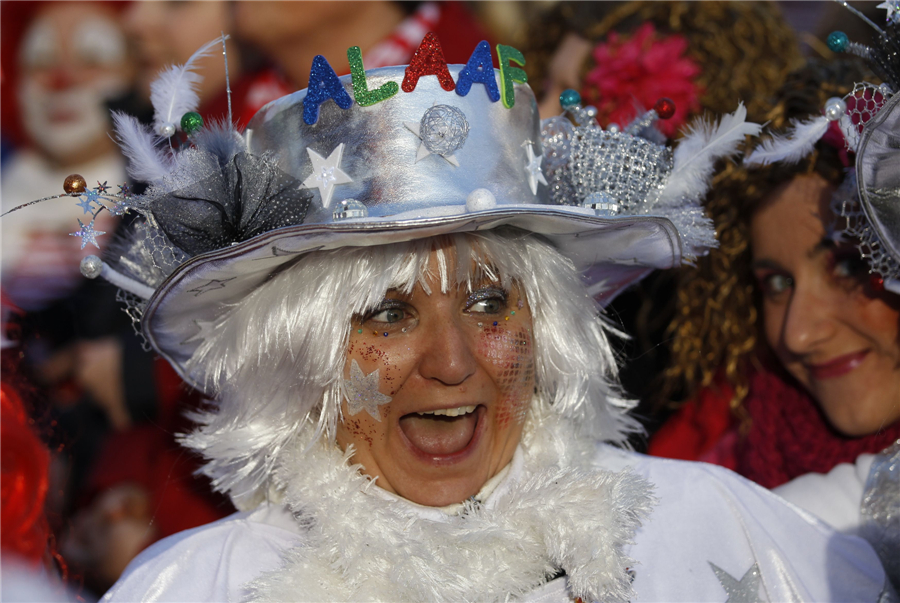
x=326 y=173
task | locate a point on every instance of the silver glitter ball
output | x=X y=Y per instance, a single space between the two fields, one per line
x=590 y=111
x=350 y=208
x=835 y=108
x=167 y=130
x=556 y=140
x=613 y=128
x=91 y=266
x=480 y=199
x=443 y=129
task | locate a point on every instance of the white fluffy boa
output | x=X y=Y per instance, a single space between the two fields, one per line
x=558 y=513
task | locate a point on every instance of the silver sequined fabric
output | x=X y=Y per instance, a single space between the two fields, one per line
x=880 y=510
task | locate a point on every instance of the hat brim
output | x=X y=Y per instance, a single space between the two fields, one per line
x=611 y=252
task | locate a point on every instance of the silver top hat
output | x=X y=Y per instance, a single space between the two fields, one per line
x=229 y=211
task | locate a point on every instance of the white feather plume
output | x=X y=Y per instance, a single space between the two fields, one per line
x=174 y=92
x=791 y=147
x=146 y=162
x=700 y=148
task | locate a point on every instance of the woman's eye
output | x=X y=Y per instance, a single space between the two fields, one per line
x=490 y=300
x=775 y=284
x=388 y=315
x=488 y=306
x=849 y=267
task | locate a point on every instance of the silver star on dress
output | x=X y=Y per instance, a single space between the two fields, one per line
x=87 y=234
x=745 y=590
x=362 y=392
x=533 y=168
x=326 y=173
x=893 y=10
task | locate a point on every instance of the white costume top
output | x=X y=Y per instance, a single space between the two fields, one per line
x=834 y=497
x=862 y=499
x=712 y=536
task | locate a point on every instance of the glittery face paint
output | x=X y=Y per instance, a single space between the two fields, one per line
x=459 y=387
x=510 y=351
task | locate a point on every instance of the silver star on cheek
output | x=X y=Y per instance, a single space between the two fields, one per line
x=533 y=167
x=745 y=590
x=326 y=173
x=362 y=392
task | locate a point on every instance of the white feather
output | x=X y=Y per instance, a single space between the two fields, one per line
x=174 y=92
x=146 y=163
x=791 y=147
x=698 y=151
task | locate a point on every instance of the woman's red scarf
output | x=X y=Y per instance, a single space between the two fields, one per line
x=789 y=436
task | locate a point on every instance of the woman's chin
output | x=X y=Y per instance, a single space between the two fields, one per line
x=430 y=494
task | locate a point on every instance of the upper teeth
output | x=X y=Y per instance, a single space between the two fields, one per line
x=449 y=412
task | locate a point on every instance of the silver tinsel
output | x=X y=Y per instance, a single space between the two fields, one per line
x=443 y=129
x=556 y=140
x=629 y=170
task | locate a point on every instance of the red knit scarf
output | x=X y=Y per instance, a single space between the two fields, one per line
x=789 y=436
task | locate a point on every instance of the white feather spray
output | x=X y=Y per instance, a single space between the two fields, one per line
x=698 y=151
x=146 y=163
x=174 y=92
x=793 y=146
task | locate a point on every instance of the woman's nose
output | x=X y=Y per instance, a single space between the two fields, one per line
x=809 y=320
x=448 y=356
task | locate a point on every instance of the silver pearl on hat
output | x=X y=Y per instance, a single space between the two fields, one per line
x=167 y=130
x=91 y=266
x=835 y=108
x=480 y=199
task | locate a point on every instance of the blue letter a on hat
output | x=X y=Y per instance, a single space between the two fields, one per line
x=323 y=84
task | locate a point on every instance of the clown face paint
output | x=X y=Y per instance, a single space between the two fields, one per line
x=458 y=368
x=73 y=58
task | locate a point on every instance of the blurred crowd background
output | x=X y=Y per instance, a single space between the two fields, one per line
x=75 y=372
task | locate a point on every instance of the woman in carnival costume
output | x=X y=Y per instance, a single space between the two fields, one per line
x=814 y=210
x=412 y=395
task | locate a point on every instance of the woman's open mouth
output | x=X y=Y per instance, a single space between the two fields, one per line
x=443 y=432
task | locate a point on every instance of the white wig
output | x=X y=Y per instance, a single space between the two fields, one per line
x=275 y=361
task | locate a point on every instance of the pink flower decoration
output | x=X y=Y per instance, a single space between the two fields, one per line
x=631 y=74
